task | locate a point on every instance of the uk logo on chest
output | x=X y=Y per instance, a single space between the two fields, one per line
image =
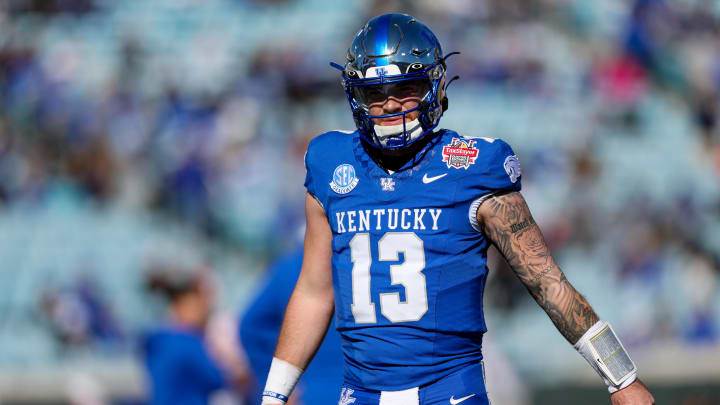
x=387 y=184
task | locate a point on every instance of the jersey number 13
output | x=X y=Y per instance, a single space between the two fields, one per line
x=408 y=274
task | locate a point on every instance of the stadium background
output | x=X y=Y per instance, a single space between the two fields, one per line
x=143 y=133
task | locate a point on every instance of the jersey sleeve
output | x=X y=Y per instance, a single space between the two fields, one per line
x=500 y=172
x=313 y=169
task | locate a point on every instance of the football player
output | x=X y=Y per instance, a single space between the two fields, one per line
x=399 y=219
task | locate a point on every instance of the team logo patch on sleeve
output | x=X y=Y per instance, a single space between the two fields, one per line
x=460 y=153
x=344 y=179
x=512 y=167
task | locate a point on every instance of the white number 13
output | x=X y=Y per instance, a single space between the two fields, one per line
x=408 y=274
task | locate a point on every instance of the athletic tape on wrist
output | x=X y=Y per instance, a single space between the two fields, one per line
x=281 y=380
x=601 y=348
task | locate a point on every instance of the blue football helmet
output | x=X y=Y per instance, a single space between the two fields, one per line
x=394 y=53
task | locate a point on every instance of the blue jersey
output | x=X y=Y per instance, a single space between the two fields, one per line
x=409 y=259
x=180 y=369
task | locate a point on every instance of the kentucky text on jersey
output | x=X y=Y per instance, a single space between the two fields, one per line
x=379 y=219
x=408 y=260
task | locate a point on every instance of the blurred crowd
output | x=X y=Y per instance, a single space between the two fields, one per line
x=199 y=113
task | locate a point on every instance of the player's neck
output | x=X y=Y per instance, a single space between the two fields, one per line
x=394 y=160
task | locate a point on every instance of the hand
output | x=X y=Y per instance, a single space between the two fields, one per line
x=634 y=394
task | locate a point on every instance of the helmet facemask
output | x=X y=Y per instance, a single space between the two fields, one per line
x=391 y=51
x=422 y=85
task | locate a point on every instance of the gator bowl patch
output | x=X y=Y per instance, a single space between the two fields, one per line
x=460 y=153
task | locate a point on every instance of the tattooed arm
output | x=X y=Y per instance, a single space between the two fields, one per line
x=507 y=221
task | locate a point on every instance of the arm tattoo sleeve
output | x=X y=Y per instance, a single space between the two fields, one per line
x=507 y=221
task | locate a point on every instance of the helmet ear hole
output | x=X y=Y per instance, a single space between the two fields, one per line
x=437 y=72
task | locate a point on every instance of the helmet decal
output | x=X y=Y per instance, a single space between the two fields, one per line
x=377 y=71
x=381 y=46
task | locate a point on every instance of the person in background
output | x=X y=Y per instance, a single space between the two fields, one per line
x=260 y=327
x=186 y=365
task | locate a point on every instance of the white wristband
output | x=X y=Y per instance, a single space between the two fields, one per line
x=601 y=348
x=281 y=380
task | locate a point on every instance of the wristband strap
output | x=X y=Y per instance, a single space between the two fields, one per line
x=601 y=348
x=281 y=380
x=275 y=395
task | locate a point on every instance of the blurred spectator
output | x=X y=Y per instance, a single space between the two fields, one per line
x=50 y=7
x=185 y=366
x=92 y=164
x=700 y=280
x=80 y=316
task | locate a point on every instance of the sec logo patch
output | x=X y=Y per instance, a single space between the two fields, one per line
x=344 y=179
